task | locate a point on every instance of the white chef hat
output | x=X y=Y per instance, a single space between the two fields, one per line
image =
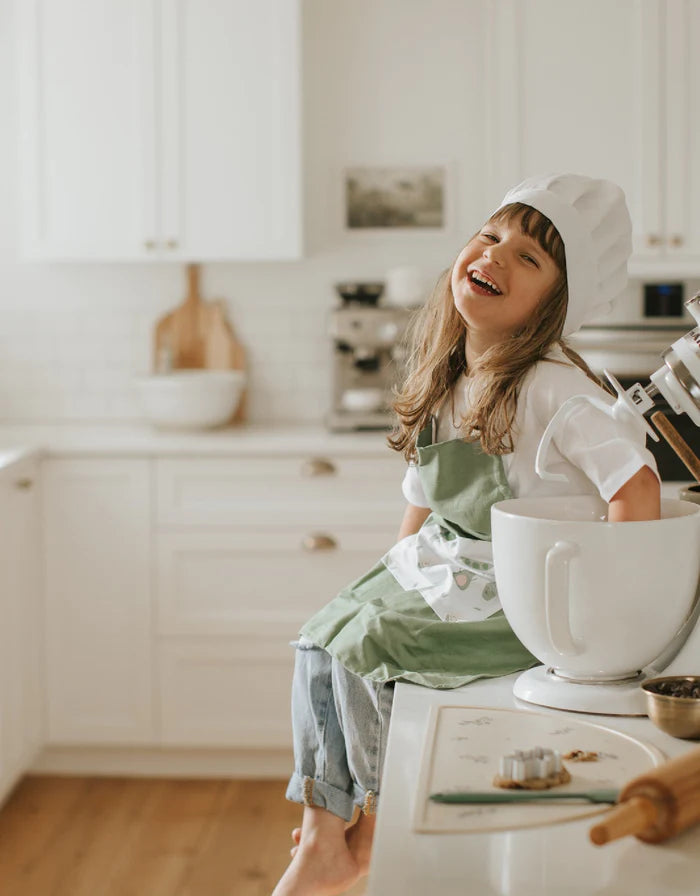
x=594 y=223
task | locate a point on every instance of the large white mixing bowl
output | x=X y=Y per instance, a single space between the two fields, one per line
x=593 y=600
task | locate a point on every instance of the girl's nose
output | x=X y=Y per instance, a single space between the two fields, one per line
x=495 y=253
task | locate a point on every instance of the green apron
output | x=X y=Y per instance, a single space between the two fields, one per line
x=381 y=631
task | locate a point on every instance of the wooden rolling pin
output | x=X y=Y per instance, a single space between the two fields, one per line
x=656 y=805
x=678 y=443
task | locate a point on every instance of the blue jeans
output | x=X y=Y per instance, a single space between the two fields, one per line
x=340 y=724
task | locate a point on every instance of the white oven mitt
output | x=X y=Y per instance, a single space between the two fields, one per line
x=454 y=574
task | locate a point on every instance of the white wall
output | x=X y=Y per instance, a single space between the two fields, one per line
x=385 y=82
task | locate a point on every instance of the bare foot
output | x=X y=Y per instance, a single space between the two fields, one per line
x=359 y=838
x=322 y=864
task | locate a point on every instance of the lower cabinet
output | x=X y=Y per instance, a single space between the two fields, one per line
x=175 y=586
x=246 y=550
x=228 y=692
x=21 y=648
x=97 y=533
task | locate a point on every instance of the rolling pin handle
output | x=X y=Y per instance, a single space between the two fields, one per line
x=631 y=817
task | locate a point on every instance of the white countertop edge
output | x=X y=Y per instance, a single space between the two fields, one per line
x=134 y=440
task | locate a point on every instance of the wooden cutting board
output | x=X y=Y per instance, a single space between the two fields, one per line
x=198 y=335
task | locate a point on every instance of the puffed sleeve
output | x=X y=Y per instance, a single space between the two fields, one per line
x=412 y=488
x=608 y=451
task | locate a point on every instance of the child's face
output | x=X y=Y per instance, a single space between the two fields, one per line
x=515 y=264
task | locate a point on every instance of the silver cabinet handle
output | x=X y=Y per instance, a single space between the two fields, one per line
x=315 y=542
x=676 y=240
x=317 y=466
x=24 y=483
x=653 y=239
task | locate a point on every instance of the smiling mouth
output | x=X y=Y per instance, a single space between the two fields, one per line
x=483 y=284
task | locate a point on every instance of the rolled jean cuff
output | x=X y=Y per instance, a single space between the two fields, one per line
x=366 y=800
x=312 y=792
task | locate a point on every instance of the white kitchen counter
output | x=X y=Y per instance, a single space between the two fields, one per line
x=556 y=860
x=119 y=440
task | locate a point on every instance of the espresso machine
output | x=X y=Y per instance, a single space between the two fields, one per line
x=369 y=355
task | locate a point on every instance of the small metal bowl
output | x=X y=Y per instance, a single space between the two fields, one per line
x=678 y=716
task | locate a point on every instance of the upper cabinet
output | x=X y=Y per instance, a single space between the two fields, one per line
x=605 y=89
x=160 y=129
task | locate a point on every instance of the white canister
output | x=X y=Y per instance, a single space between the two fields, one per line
x=405 y=287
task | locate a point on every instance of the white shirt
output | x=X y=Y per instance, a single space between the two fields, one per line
x=597 y=454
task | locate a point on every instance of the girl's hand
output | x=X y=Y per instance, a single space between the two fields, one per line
x=638 y=499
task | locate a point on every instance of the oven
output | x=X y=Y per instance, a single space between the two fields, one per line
x=632 y=353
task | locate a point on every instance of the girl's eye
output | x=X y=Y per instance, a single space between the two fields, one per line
x=530 y=260
x=490 y=236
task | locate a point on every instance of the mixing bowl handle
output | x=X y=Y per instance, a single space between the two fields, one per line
x=557 y=598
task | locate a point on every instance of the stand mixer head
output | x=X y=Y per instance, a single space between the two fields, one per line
x=605 y=605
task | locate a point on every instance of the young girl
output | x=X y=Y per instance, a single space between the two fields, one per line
x=488 y=372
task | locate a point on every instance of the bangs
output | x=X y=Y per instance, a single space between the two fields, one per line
x=535 y=225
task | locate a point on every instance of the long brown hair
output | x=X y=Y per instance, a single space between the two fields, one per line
x=437 y=357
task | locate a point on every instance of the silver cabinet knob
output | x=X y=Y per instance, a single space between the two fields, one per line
x=653 y=239
x=315 y=542
x=317 y=466
x=676 y=240
x=24 y=483
x=171 y=244
x=150 y=245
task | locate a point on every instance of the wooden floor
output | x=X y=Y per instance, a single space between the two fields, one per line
x=69 y=836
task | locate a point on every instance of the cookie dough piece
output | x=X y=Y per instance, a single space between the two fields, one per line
x=582 y=756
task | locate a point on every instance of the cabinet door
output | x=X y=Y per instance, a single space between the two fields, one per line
x=21 y=704
x=230 y=176
x=87 y=91
x=578 y=87
x=226 y=692
x=682 y=131
x=98 y=614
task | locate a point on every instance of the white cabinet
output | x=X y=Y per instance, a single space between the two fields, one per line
x=609 y=90
x=97 y=530
x=160 y=129
x=21 y=630
x=174 y=586
x=247 y=549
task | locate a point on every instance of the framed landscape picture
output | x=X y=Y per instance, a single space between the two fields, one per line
x=395 y=198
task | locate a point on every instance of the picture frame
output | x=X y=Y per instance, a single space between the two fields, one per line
x=396 y=199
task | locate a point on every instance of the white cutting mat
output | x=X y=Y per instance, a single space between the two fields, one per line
x=462 y=749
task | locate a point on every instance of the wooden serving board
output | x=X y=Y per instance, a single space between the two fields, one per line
x=198 y=335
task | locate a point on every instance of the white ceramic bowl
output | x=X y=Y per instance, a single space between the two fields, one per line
x=191 y=399
x=591 y=599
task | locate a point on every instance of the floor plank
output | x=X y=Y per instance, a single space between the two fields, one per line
x=75 y=836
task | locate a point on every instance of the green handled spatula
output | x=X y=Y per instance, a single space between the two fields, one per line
x=526 y=796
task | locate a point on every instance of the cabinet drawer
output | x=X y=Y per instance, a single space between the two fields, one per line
x=257 y=491
x=229 y=581
x=230 y=693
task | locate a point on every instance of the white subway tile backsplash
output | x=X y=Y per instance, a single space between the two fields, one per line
x=72 y=352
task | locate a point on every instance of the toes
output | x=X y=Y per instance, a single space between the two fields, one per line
x=296 y=835
x=293 y=851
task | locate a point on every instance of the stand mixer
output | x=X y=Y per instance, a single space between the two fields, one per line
x=602 y=605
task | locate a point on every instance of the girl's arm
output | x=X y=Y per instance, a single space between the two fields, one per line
x=413 y=519
x=638 y=499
